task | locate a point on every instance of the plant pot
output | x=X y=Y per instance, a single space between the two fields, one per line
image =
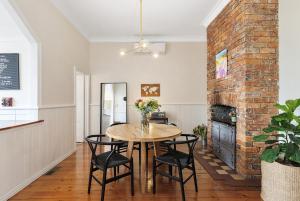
x=233 y=119
x=202 y=141
x=280 y=182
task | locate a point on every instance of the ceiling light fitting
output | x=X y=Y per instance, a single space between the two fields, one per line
x=142 y=46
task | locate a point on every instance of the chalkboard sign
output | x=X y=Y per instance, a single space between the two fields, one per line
x=9 y=71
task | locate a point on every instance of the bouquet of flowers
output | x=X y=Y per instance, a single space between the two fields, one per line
x=146 y=107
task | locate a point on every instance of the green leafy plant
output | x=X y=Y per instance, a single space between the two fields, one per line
x=146 y=106
x=282 y=136
x=201 y=130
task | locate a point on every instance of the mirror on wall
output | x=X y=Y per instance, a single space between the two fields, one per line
x=113 y=104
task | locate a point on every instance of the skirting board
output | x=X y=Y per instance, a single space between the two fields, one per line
x=31 y=179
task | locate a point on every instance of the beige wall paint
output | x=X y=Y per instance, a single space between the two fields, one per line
x=289 y=32
x=62 y=47
x=181 y=72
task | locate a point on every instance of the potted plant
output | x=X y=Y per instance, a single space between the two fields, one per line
x=146 y=107
x=233 y=116
x=201 y=130
x=281 y=156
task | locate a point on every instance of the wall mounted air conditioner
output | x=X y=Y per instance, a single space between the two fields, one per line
x=159 y=48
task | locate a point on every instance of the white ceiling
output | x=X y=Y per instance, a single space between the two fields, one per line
x=118 y=20
x=8 y=27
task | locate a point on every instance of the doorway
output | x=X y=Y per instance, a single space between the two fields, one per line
x=113 y=104
x=82 y=94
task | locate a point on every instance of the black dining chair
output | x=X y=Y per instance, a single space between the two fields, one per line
x=172 y=124
x=107 y=160
x=177 y=159
x=163 y=147
x=122 y=148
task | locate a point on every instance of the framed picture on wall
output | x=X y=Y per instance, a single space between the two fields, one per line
x=7 y=102
x=9 y=71
x=150 y=90
x=222 y=64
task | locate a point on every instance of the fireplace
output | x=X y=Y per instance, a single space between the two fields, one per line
x=223 y=133
x=251 y=84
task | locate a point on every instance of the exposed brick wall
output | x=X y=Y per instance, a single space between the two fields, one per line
x=249 y=30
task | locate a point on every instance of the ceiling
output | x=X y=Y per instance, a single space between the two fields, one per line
x=8 y=27
x=118 y=20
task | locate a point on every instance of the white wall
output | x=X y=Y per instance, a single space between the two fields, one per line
x=289 y=44
x=26 y=97
x=12 y=40
x=61 y=47
x=181 y=74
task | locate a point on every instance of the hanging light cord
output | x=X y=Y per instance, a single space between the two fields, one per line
x=141 y=20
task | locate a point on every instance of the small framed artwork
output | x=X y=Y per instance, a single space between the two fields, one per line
x=7 y=102
x=150 y=90
x=222 y=64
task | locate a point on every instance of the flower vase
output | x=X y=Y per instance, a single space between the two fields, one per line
x=145 y=120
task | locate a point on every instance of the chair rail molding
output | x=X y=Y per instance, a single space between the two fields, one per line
x=56 y=106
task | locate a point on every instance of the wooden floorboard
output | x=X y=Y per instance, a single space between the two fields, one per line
x=69 y=183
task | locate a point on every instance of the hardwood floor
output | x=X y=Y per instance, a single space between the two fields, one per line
x=69 y=182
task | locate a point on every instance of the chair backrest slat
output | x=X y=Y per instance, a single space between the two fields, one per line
x=190 y=141
x=93 y=144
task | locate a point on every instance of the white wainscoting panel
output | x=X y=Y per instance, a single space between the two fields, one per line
x=185 y=116
x=18 y=114
x=28 y=152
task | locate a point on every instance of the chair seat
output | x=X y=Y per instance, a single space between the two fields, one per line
x=115 y=160
x=171 y=157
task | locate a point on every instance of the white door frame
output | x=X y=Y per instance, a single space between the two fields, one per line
x=82 y=100
x=87 y=84
x=79 y=102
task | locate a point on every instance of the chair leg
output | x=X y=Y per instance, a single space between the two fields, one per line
x=154 y=175
x=90 y=178
x=132 y=177
x=140 y=156
x=147 y=148
x=174 y=140
x=115 y=171
x=195 y=176
x=170 y=170
x=118 y=170
x=181 y=183
x=111 y=146
x=103 y=184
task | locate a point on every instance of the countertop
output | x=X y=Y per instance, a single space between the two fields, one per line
x=4 y=125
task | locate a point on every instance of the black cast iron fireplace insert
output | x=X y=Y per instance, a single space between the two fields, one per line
x=224 y=134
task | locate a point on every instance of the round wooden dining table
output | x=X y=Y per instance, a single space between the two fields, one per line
x=135 y=133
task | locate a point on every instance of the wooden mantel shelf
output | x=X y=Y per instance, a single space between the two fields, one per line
x=15 y=124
